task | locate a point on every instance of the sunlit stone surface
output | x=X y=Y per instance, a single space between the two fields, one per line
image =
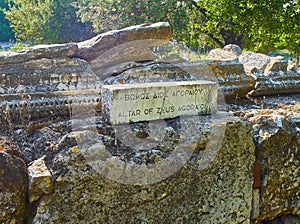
x=151 y=101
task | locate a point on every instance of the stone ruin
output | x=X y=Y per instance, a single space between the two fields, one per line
x=252 y=178
x=49 y=77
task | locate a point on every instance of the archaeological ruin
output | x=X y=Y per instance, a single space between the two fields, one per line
x=127 y=128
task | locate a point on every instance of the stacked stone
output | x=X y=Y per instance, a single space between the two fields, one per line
x=46 y=80
x=269 y=75
x=43 y=81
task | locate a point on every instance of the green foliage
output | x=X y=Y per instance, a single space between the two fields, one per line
x=274 y=26
x=115 y=14
x=19 y=46
x=47 y=21
x=6 y=33
x=261 y=26
x=256 y=25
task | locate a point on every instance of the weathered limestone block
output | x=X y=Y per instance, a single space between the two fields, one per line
x=230 y=76
x=40 y=180
x=278 y=145
x=38 y=52
x=37 y=72
x=13 y=185
x=276 y=85
x=252 y=60
x=233 y=81
x=157 y=32
x=222 y=55
x=219 y=193
x=277 y=66
x=45 y=87
x=124 y=53
x=21 y=110
x=157 y=100
x=233 y=48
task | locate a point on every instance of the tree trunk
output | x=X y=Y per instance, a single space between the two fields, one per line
x=231 y=38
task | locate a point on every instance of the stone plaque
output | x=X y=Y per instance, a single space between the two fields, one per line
x=158 y=100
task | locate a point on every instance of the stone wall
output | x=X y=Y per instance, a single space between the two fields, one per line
x=251 y=178
x=248 y=175
x=222 y=192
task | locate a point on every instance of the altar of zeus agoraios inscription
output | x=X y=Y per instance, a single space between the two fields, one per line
x=127 y=103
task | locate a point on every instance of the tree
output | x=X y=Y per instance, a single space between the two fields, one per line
x=6 y=33
x=257 y=25
x=279 y=26
x=47 y=21
x=115 y=14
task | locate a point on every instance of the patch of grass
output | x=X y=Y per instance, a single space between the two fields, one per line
x=19 y=46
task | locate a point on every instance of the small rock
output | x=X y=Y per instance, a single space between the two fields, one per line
x=222 y=55
x=233 y=48
x=252 y=60
x=40 y=180
x=275 y=66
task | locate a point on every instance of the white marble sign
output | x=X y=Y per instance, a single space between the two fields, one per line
x=160 y=100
